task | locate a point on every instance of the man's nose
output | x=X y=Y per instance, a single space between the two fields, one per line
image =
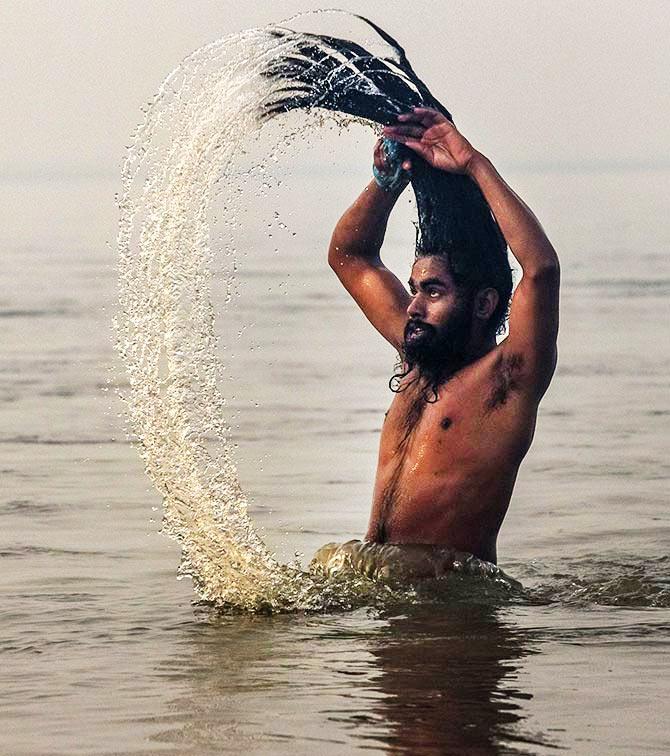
x=415 y=308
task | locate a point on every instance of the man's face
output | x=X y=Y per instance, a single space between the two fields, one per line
x=439 y=321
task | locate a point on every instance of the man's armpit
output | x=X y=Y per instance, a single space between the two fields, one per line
x=506 y=378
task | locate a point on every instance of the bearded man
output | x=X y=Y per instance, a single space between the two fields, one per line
x=465 y=406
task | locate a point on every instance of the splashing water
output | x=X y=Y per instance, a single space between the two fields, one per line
x=206 y=111
x=203 y=113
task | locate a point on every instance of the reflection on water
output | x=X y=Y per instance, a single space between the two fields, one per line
x=436 y=679
x=450 y=679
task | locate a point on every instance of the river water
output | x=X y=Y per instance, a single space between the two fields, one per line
x=103 y=649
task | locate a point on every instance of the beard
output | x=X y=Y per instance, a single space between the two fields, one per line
x=438 y=352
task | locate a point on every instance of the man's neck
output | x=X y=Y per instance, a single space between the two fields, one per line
x=476 y=349
x=431 y=377
x=479 y=348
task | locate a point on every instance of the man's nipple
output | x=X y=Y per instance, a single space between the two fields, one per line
x=446 y=423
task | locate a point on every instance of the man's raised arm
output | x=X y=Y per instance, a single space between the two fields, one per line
x=354 y=256
x=533 y=323
x=533 y=326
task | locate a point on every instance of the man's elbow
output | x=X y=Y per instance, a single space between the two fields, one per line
x=345 y=252
x=336 y=255
x=340 y=257
x=546 y=270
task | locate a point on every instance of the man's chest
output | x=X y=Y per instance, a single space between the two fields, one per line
x=414 y=426
x=460 y=428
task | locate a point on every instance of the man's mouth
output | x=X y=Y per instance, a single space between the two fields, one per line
x=415 y=329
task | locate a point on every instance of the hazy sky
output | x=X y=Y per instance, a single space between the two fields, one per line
x=537 y=82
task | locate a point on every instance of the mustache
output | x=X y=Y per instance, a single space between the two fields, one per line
x=415 y=324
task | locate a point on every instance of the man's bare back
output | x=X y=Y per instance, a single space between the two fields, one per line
x=465 y=408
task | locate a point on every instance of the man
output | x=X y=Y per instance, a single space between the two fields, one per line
x=464 y=412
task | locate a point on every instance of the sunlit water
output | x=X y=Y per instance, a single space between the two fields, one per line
x=102 y=649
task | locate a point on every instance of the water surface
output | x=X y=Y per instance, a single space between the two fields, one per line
x=102 y=649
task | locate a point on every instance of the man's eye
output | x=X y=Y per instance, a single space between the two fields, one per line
x=433 y=293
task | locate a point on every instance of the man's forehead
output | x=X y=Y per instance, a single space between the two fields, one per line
x=430 y=267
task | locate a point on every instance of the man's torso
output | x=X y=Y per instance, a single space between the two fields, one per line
x=447 y=468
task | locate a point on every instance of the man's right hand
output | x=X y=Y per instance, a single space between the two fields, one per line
x=385 y=173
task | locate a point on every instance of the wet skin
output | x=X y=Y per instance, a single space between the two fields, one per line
x=447 y=468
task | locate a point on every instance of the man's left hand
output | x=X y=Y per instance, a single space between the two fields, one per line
x=435 y=138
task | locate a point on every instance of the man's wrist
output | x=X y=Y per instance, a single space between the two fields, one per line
x=477 y=166
x=389 y=182
x=386 y=194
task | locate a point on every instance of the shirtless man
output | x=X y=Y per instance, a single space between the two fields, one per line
x=451 y=448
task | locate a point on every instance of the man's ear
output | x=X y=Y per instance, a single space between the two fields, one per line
x=486 y=301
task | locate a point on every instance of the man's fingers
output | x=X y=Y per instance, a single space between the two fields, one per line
x=418 y=147
x=403 y=139
x=379 y=158
x=429 y=113
x=409 y=118
x=414 y=144
x=413 y=131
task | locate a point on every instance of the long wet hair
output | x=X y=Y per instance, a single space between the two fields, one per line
x=454 y=219
x=465 y=235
